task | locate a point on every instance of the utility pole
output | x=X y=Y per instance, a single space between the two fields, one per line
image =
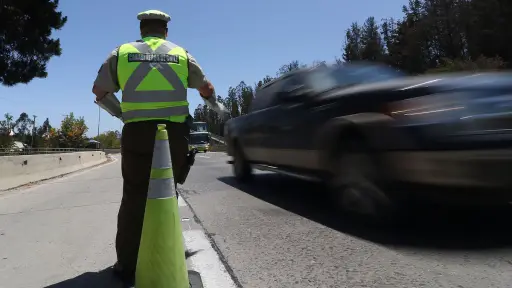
x=33 y=130
x=99 y=119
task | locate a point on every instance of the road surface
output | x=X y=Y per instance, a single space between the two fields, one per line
x=277 y=232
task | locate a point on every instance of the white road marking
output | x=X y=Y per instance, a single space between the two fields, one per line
x=424 y=83
x=181 y=202
x=202 y=156
x=185 y=221
x=206 y=261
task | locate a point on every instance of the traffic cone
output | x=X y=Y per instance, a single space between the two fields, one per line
x=161 y=262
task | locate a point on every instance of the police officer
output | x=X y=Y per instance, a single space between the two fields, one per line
x=153 y=75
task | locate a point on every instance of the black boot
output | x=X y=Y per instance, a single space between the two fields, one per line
x=126 y=277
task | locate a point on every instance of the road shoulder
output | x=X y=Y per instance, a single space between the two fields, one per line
x=206 y=261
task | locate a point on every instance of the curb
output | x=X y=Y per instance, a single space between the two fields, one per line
x=207 y=267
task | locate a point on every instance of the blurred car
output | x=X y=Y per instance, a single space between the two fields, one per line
x=200 y=141
x=360 y=128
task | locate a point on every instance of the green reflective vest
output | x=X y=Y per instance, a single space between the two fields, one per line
x=153 y=75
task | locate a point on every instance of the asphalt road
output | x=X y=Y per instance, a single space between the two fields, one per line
x=280 y=232
x=276 y=232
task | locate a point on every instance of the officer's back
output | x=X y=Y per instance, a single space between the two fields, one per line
x=153 y=75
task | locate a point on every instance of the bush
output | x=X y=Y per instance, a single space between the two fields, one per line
x=479 y=65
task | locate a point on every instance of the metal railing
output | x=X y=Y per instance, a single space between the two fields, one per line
x=217 y=138
x=35 y=151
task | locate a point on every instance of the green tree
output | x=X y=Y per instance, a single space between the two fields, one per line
x=244 y=96
x=232 y=103
x=262 y=82
x=6 y=126
x=352 y=45
x=26 y=45
x=480 y=64
x=204 y=114
x=53 y=139
x=372 y=48
x=109 y=139
x=292 y=66
x=23 y=128
x=198 y=114
x=72 y=131
x=42 y=133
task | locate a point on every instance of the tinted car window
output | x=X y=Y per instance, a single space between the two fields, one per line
x=345 y=76
x=265 y=97
x=290 y=84
x=199 y=138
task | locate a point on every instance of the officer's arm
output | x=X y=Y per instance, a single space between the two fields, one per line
x=197 y=80
x=106 y=80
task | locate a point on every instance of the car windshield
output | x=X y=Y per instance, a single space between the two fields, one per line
x=199 y=138
x=200 y=127
x=344 y=76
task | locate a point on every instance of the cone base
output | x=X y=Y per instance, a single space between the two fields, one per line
x=195 y=279
x=161 y=261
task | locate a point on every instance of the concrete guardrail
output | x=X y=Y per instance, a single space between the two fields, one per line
x=23 y=169
x=217 y=138
x=112 y=151
x=218 y=148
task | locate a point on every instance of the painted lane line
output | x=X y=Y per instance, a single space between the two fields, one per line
x=181 y=202
x=206 y=262
x=185 y=221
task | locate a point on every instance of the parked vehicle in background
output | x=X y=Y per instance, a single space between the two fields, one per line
x=360 y=128
x=199 y=141
x=18 y=146
x=93 y=144
x=199 y=127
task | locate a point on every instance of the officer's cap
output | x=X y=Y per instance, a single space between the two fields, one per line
x=153 y=15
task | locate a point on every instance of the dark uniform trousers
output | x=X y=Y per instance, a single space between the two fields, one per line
x=137 y=142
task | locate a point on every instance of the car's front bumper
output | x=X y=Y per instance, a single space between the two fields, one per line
x=200 y=148
x=473 y=168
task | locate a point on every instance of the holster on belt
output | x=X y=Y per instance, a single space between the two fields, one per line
x=191 y=158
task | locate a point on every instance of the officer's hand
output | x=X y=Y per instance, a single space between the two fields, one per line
x=216 y=106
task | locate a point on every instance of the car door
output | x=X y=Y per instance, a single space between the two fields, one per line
x=289 y=128
x=257 y=125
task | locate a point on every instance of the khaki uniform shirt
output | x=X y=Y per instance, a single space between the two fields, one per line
x=107 y=75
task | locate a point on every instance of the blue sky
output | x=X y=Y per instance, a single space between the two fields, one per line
x=232 y=40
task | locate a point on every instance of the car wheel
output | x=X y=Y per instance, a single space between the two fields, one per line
x=241 y=167
x=356 y=188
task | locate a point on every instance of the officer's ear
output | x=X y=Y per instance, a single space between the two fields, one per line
x=166 y=31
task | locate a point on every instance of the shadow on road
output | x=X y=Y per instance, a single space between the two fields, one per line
x=100 y=279
x=434 y=228
x=106 y=279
